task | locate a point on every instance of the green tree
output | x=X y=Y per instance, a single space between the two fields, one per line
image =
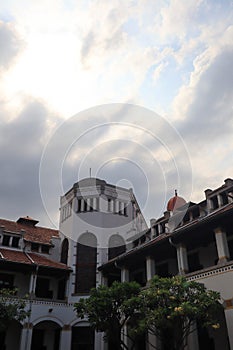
x=11 y=308
x=109 y=309
x=173 y=306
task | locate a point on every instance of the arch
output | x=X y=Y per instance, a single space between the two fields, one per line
x=47 y=324
x=83 y=337
x=46 y=335
x=11 y=337
x=116 y=246
x=85 y=278
x=64 y=251
x=48 y=319
x=81 y=323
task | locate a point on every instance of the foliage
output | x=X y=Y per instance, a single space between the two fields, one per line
x=108 y=309
x=172 y=306
x=11 y=308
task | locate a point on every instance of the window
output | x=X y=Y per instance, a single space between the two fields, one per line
x=162 y=270
x=230 y=246
x=85 y=204
x=114 y=206
x=35 y=247
x=120 y=208
x=6 y=240
x=214 y=202
x=86 y=263
x=224 y=198
x=42 y=288
x=97 y=203
x=82 y=338
x=194 y=262
x=125 y=209
x=64 y=251
x=91 y=204
x=45 y=248
x=109 y=204
x=15 y=242
x=6 y=280
x=139 y=276
x=66 y=211
x=196 y=212
x=79 y=205
x=61 y=289
x=116 y=246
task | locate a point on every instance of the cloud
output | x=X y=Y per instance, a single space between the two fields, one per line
x=21 y=145
x=206 y=110
x=207 y=101
x=90 y=53
x=10 y=44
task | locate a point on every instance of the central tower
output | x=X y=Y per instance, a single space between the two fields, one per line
x=97 y=222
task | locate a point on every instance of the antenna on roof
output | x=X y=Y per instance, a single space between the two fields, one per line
x=90 y=172
x=176 y=193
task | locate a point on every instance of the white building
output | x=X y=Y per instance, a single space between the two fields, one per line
x=103 y=237
x=57 y=267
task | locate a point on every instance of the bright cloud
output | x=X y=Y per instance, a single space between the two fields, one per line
x=61 y=57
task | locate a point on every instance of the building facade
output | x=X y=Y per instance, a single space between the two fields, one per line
x=103 y=237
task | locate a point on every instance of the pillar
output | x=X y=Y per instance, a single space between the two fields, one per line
x=32 y=283
x=153 y=341
x=88 y=204
x=82 y=204
x=222 y=245
x=26 y=337
x=182 y=259
x=193 y=338
x=100 y=344
x=229 y=322
x=65 y=337
x=220 y=200
x=150 y=268
x=124 y=275
x=103 y=279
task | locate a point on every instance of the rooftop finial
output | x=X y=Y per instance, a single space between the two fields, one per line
x=90 y=172
x=176 y=193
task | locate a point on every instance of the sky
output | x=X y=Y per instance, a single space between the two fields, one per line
x=140 y=91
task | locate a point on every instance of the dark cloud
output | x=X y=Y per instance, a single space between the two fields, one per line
x=21 y=146
x=10 y=44
x=210 y=114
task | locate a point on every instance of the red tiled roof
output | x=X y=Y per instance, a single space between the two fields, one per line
x=29 y=259
x=32 y=233
x=175 y=202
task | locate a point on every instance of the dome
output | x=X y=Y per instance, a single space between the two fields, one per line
x=175 y=203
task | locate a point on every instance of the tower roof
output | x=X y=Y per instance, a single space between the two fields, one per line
x=175 y=202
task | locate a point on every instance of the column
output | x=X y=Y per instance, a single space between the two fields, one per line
x=229 y=321
x=124 y=275
x=154 y=342
x=103 y=279
x=182 y=259
x=193 y=338
x=222 y=245
x=100 y=344
x=65 y=337
x=88 y=204
x=150 y=268
x=220 y=200
x=26 y=337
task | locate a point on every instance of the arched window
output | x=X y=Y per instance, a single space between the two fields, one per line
x=86 y=263
x=64 y=251
x=116 y=246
